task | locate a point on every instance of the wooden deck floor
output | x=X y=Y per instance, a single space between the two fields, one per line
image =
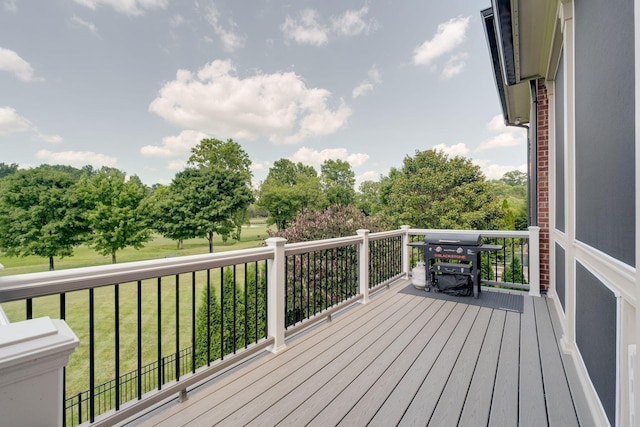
x=400 y=360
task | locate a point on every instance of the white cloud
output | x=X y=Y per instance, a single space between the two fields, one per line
x=11 y=62
x=230 y=39
x=507 y=136
x=305 y=29
x=460 y=149
x=11 y=121
x=367 y=176
x=79 y=22
x=278 y=106
x=127 y=7
x=493 y=171
x=362 y=89
x=454 y=65
x=174 y=146
x=449 y=35
x=54 y=139
x=10 y=6
x=352 y=23
x=176 y=165
x=367 y=85
x=76 y=158
x=313 y=157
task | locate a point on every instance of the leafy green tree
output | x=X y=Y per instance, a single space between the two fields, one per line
x=338 y=181
x=39 y=213
x=334 y=221
x=6 y=169
x=515 y=178
x=227 y=332
x=207 y=201
x=117 y=211
x=231 y=158
x=435 y=191
x=288 y=189
x=227 y=155
x=169 y=215
x=368 y=198
x=513 y=271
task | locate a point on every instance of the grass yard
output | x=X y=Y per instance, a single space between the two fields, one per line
x=77 y=306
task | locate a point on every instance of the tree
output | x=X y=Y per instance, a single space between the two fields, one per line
x=229 y=155
x=231 y=158
x=288 y=189
x=515 y=178
x=6 y=169
x=169 y=216
x=513 y=271
x=338 y=181
x=368 y=198
x=39 y=213
x=435 y=191
x=334 y=221
x=116 y=210
x=223 y=334
x=207 y=201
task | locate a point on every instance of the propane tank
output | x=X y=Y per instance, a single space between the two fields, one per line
x=419 y=275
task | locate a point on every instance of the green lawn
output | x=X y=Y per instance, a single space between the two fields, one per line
x=77 y=306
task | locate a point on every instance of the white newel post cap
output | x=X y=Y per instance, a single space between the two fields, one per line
x=33 y=354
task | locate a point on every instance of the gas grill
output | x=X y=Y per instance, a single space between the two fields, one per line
x=453 y=253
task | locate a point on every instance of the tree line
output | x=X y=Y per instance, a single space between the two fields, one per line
x=49 y=210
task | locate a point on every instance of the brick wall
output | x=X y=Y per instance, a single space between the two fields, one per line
x=543 y=182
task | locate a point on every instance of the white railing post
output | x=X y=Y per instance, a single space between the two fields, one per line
x=363 y=264
x=534 y=261
x=275 y=293
x=33 y=354
x=405 y=250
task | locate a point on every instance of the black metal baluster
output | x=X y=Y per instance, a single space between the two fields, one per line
x=177 y=327
x=309 y=286
x=159 y=337
x=116 y=302
x=29 y=308
x=256 y=305
x=221 y=313
x=193 y=322
x=139 y=369
x=294 y=282
x=246 y=313
x=266 y=300
x=91 y=358
x=286 y=292
x=208 y=317
x=235 y=340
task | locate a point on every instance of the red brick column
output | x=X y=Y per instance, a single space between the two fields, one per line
x=543 y=182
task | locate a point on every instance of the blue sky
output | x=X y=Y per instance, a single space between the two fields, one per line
x=134 y=84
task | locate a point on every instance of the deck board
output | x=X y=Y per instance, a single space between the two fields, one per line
x=399 y=360
x=557 y=394
x=532 y=409
x=451 y=402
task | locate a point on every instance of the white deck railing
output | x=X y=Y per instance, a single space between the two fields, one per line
x=365 y=255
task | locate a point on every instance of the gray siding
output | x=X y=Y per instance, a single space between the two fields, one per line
x=560 y=275
x=596 y=335
x=604 y=122
x=560 y=144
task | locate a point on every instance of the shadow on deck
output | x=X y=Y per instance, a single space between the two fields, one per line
x=403 y=359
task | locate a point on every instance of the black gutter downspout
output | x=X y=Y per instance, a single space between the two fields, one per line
x=532 y=155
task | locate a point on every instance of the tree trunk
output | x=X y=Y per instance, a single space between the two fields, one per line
x=180 y=244
x=51 y=263
x=113 y=256
x=210 y=238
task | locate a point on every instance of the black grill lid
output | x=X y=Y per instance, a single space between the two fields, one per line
x=459 y=239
